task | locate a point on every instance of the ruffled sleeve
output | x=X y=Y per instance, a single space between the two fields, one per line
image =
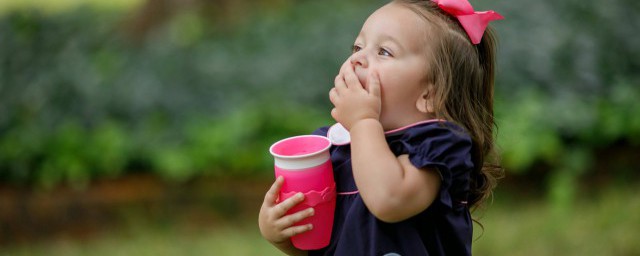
x=443 y=146
x=322 y=131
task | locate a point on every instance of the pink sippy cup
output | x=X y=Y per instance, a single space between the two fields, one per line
x=305 y=164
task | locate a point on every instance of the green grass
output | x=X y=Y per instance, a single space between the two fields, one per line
x=604 y=222
x=239 y=239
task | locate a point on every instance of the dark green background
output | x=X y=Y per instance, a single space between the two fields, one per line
x=200 y=94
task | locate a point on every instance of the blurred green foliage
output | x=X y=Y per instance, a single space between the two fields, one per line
x=79 y=99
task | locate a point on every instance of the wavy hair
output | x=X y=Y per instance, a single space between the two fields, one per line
x=462 y=92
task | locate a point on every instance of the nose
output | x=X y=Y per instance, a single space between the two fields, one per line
x=360 y=63
x=359 y=59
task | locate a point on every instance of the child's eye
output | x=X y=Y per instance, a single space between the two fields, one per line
x=384 y=52
x=355 y=48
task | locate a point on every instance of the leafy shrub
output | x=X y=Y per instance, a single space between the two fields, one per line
x=79 y=100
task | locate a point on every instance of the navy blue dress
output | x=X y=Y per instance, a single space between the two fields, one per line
x=444 y=228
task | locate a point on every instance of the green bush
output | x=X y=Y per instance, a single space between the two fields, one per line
x=234 y=144
x=79 y=100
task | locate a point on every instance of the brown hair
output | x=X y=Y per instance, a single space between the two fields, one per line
x=463 y=89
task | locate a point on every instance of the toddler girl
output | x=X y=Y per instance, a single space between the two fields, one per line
x=416 y=96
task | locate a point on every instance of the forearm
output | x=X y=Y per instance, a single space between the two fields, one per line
x=376 y=170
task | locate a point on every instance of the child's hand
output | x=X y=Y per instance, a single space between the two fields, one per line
x=275 y=226
x=352 y=100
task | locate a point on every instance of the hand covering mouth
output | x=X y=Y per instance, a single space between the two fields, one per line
x=362 y=77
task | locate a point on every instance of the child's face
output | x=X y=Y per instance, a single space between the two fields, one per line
x=392 y=42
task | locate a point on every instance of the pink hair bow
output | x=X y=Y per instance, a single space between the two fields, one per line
x=474 y=23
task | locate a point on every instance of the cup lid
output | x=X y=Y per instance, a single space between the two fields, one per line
x=301 y=152
x=338 y=135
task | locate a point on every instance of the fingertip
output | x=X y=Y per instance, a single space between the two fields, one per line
x=344 y=65
x=277 y=184
x=374 y=83
x=333 y=93
x=373 y=76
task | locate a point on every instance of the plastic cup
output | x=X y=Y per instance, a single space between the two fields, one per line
x=305 y=164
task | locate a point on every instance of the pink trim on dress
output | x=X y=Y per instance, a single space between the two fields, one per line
x=348 y=193
x=414 y=124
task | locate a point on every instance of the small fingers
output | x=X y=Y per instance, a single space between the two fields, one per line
x=333 y=95
x=292 y=219
x=272 y=195
x=345 y=66
x=351 y=79
x=373 y=82
x=286 y=205
x=339 y=82
x=295 y=230
x=334 y=114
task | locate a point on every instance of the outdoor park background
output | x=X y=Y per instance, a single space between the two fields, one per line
x=142 y=127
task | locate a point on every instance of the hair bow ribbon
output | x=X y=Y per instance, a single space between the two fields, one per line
x=474 y=23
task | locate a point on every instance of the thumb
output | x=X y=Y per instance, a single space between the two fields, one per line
x=373 y=82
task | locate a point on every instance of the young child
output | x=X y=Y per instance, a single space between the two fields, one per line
x=417 y=98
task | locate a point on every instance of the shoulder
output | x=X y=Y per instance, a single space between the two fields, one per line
x=437 y=133
x=441 y=144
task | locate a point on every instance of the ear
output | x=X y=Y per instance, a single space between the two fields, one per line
x=424 y=103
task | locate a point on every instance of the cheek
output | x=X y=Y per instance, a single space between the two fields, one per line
x=390 y=81
x=390 y=89
x=401 y=88
x=396 y=82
